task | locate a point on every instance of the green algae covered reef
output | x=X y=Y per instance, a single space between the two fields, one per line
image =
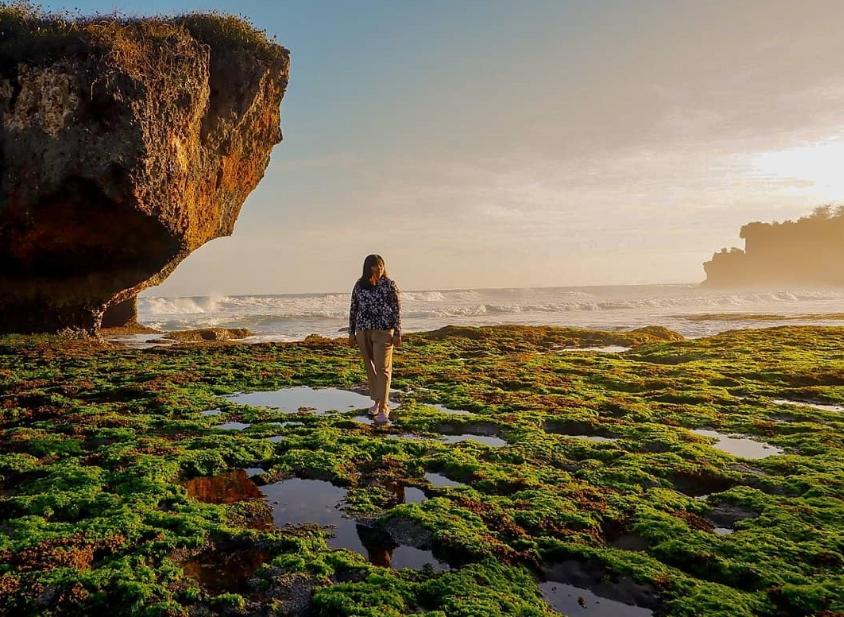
x=117 y=492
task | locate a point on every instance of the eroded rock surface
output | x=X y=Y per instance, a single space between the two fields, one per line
x=208 y=334
x=125 y=145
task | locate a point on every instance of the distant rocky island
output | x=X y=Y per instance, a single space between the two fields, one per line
x=126 y=144
x=808 y=251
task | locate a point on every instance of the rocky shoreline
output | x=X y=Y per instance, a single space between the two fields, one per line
x=522 y=471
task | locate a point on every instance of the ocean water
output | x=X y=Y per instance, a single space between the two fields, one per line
x=689 y=309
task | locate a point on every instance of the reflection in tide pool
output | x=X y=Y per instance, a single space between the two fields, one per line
x=487 y=440
x=416 y=558
x=141 y=341
x=448 y=410
x=298 y=502
x=405 y=557
x=479 y=432
x=575 y=587
x=232 y=426
x=595 y=438
x=810 y=404
x=739 y=446
x=229 y=487
x=440 y=481
x=604 y=349
x=414 y=495
x=220 y=571
x=292 y=399
x=570 y=600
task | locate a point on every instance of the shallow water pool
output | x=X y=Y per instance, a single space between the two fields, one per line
x=291 y=400
x=570 y=601
x=487 y=440
x=232 y=426
x=811 y=404
x=742 y=447
x=441 y=481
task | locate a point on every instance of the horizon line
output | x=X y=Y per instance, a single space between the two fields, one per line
x=303 y=293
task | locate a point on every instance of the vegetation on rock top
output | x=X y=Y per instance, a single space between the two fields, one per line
x=26 y=30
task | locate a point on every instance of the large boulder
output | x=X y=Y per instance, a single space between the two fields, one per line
x=124 y=146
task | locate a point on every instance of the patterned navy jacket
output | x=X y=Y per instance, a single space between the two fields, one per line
x=378 y=308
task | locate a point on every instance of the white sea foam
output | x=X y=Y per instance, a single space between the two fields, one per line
x=293 y=316
x=179 y=306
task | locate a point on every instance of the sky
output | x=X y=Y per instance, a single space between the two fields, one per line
x=517 y=144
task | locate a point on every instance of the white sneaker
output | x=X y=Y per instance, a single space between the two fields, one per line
x=374 y=409
x=382 y=418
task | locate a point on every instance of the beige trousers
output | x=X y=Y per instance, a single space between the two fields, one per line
x=376 y=347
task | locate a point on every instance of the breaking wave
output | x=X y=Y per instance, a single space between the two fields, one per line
x=610 y=306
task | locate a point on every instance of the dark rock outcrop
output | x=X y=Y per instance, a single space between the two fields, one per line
x=124 y=146
x=809 y=251
x=121 y=314
x=208 y=334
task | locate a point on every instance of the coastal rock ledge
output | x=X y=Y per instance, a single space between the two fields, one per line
x=125 y=144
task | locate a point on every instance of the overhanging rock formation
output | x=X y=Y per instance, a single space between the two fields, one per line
x=124 y=146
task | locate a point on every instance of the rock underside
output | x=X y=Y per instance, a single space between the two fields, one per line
x=125 y=145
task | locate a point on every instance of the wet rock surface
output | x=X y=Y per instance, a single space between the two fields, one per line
x=405 y=531
x=208 y=334
x=479 y=432
x=291 y=592
x=106 y=459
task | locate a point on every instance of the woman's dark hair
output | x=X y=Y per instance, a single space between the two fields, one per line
x=370 y=261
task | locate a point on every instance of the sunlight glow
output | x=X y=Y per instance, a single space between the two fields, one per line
x=821 y=164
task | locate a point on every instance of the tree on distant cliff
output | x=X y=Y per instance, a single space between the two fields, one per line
x=826 y=211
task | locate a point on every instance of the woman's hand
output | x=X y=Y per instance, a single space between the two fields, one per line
x=396 y=340
x=352 y=341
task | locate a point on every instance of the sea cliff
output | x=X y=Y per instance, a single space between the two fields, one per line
x=126 y=144
x=806 y=252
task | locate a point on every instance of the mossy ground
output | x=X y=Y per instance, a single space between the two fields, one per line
x=95 y=440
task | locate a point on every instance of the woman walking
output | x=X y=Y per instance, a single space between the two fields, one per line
x=375 y=329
